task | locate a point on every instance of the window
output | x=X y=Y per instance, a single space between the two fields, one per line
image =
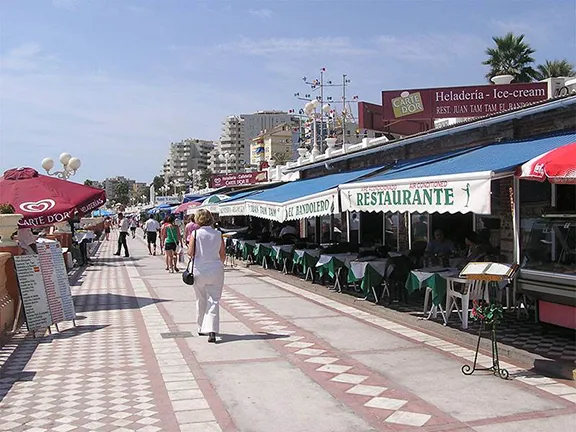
x=391 y=230
x=419 y=228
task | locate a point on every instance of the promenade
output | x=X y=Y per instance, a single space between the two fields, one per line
x=288 y=360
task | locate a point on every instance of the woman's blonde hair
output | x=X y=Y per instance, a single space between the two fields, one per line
x=203 y=217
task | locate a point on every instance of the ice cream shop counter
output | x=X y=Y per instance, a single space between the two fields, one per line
x=548 y=273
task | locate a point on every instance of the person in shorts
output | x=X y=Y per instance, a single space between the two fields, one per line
x=151 y=227
x=171 y=238
x=133 y=226
x=107 y=227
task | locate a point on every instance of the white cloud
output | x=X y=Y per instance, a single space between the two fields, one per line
x=431 y=48
x=27 y=57
x=512 y=25
x=294 y=46
x=261 y=13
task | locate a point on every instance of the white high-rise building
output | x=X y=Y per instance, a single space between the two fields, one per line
x=186 y=157
x=237 y=135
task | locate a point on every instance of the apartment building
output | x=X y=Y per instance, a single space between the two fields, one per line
x=236 y=139
x=273 y=145
x=186 y=156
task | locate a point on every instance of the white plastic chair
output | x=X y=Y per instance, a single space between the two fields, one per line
x=472 y=290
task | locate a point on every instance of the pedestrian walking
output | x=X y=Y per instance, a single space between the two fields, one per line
x=133 y=226
x=124 y=227
x=170 y=237
x=151 y=227
x=207 y=247
x=107 y=227
x=190 y=227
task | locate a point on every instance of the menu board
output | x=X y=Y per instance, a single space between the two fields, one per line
x=56 y=281
x=33 y=292
x=488 y=271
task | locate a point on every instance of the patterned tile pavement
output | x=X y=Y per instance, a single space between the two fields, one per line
x=520 y=332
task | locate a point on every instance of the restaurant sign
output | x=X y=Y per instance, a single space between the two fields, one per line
x=238 y=179
x=265 y=210
x=447 y=194
x=236 y=209
x=457 y=102
x=319 y=205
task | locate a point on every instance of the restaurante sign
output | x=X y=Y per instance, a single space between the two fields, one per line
x=442 y=195
x=450 y=102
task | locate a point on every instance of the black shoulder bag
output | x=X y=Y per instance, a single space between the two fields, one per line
x=188 y=274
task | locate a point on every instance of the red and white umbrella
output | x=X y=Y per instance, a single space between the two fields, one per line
x=182 y=208
x=45 y=200
x=556 y=166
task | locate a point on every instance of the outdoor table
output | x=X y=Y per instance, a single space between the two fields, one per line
x=262 y=252
x=332 y=264
x=282 y=254
x=307 y=258
x=82 y=238
x=435 y=280
x=247 y=248
x=370 y=272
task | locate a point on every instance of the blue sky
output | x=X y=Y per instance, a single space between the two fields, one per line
x=115 y=81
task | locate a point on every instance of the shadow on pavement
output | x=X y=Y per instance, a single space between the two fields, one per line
x=108 y=301
x=225 y=337
x=12 y=371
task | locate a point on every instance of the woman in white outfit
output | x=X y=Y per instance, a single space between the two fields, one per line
x=207 y=247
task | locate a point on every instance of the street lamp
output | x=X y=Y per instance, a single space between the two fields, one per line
x=310 y=110
x=227 y=158
x=193 y=176
x=69 y=166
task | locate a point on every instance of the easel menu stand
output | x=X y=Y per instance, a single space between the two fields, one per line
x=488 y=272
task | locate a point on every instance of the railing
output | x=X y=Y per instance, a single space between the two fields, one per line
x=277 y=173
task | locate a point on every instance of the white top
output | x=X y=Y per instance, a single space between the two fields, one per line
x=133 y=223
x=25 y=239
x=151 y=225
x=207 y=249
x=124 y=225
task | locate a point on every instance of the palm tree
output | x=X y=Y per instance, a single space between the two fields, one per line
x=555 y=68
x=511 y=56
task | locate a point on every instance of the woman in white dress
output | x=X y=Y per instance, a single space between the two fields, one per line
x=207 y=247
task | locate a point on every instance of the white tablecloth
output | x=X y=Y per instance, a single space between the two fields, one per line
x=311 y=252
x=285 y=248
x=84 y=235
x=358 y=268
x=345 y=258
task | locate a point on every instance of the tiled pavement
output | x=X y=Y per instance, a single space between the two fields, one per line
x=287 y=360
x=520 y=332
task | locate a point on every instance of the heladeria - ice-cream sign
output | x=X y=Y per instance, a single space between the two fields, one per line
x=458 y=102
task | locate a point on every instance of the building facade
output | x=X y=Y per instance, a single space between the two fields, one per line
x=187 y=156
x=237 y=135
x=274 y=145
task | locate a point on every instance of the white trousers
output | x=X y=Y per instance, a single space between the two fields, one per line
x=208 y=287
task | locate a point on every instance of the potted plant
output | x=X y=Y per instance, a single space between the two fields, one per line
x=8 y=224
x=489 y=315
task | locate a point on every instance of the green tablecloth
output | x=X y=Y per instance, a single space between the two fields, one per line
x=261 y=251
x=436 y=280
x=247 y=249
x=370 y=279
x=279 y=253
x=328 y=264
x=305 y=260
